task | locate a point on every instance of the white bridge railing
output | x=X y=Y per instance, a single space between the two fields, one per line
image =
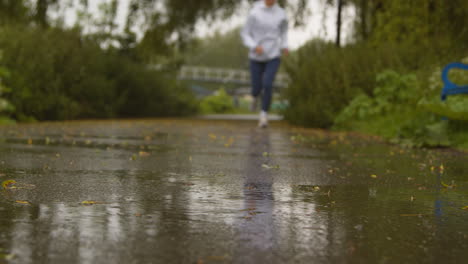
x=225 y=75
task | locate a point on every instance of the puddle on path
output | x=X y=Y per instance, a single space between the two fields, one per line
x=186 y=191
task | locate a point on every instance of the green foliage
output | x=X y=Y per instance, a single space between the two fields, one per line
x=394 y=92
x=401 y=112
x=325 y=78
x=454 y=108
x=58 y=74
x=5 y=106
x=219 y=103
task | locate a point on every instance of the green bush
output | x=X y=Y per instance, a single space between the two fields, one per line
x=325 y=78
x=58 y=74
x=219 y=103
x=6 y=108
x=393 y=93
x=454 y=108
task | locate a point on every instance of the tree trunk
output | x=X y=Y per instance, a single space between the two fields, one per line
x=41 y=12
x=364 y=21
x=339 y=22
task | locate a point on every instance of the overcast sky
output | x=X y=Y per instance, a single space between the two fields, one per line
x=320 y=24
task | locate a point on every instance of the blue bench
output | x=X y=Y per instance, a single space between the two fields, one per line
x=449 y=87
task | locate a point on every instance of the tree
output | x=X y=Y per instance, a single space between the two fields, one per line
x=12 y=11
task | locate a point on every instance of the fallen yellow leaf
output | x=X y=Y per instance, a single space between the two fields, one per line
x=143 y=154
x=8 y=184
x=23 y=202
x=465 y=208
x=88 y=202
x=451 y=186
x=374 y=176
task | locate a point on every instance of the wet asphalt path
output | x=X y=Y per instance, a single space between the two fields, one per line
x=204 y=191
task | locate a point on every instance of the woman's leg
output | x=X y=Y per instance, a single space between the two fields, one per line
x=256 y=74
x=271 y=68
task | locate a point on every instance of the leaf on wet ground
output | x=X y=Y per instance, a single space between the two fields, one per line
x=373 y=176
x=229 y=142
x=12 y=184
x=144 y=154
x=414 y=215
x=465 y=208
x=268 y=167
x=448 y=186
x=90 y=202
x=307 y=188
x=248 y=209
x=23 y=202
x=8 y=184
x=7 y=257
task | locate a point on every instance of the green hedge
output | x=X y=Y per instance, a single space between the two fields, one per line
x=59 y=74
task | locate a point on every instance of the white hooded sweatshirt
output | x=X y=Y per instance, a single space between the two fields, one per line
x=266 y=27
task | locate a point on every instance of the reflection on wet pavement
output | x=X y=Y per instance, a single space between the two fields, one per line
x=199 y=191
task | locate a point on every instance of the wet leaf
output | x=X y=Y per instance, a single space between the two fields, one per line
x=373 y=176
x=144 y=154
x=448 y=186
x=465 y=208
x=7 y=257
x=8 y=184
x=248 y=209
x=23 y=202
x=411 y=215
x=266 y=166
x=89 y=203
x=229 y=142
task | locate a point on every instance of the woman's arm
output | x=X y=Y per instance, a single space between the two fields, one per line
x=247 y=38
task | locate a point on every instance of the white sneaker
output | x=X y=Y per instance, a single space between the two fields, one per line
x=263 y=121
